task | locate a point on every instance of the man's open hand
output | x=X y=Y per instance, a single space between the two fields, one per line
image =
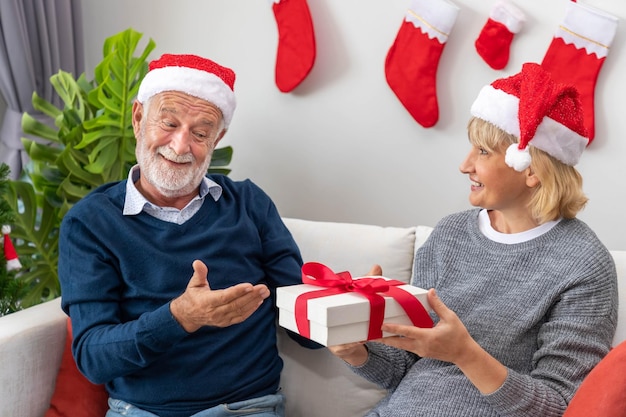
x=201 y=306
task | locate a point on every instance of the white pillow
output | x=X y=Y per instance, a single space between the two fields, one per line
x=356 y=247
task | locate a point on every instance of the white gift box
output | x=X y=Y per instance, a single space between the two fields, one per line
x=340 y=318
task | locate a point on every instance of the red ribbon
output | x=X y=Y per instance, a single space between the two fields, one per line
x=320 y=275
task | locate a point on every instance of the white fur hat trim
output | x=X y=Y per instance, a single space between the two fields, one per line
x=197 y=83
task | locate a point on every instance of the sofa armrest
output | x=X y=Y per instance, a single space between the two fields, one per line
x=31 y=346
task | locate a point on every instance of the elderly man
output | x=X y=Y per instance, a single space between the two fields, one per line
x=166 y=344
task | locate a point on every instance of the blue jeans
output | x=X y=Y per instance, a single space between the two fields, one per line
x=266 y=406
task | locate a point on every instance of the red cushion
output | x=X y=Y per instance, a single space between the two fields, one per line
x=74 y=395
x=603 y=391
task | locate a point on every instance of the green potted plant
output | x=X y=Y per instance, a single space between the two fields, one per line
x=92 y=143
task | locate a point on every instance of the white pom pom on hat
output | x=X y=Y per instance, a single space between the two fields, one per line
x=193 y=75
x=539 y=111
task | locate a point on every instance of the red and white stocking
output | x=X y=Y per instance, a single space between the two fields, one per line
x=296 y=43
x=13 y=262
x=577 y=52
x=412 y=61
x=494 y=42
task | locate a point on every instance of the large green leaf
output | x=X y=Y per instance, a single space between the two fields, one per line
x=36 y=128
x=35 y=236
x=73 y=97
x=41 y=152
x=45 y=107
x=222 y=156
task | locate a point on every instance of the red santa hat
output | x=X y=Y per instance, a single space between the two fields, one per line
x=193 y=75
x=539 y=111
x=10 y=254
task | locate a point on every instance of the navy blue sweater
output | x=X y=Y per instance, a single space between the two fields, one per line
x=119 y=273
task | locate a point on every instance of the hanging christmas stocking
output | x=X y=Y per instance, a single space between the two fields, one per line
x=494 y=42
x=296 y=43
x=412 y=60
x=10 y=255
x=577 y=52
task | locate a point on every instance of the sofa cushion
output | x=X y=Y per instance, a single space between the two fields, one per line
x=74 y=395
x=356 y=247
x=603 y=391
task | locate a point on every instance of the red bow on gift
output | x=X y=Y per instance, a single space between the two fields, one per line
x=320 y=275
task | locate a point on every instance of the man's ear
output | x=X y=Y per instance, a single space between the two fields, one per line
x=137 y=116
x=219 y=137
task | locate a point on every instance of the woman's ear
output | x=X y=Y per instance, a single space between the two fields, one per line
x=532 y=180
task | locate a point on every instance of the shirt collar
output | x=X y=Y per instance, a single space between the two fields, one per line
x=484 y=224
x=135 y=201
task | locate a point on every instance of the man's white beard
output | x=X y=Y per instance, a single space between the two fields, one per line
x=171 y=182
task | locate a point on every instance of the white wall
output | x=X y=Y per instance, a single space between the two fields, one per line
x=341 y=147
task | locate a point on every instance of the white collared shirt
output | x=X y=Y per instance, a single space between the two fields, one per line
x=135 y=202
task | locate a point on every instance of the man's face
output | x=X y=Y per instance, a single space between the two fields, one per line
x=176 y=135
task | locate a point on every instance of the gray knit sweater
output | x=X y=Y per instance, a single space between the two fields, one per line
x=545 y=308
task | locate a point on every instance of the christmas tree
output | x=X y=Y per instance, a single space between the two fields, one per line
x=12 y=289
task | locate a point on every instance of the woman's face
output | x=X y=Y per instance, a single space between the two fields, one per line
x=495 y=185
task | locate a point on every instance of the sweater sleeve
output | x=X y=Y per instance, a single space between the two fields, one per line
x=385 y=366
x=104 y=347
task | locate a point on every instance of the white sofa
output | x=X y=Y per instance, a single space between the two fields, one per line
x=316 y=383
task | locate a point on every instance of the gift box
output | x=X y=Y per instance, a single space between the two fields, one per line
x=333 y=309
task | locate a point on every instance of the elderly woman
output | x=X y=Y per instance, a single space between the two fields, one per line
x=524 y=294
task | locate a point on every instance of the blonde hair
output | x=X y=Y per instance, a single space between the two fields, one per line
x=560 y=190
